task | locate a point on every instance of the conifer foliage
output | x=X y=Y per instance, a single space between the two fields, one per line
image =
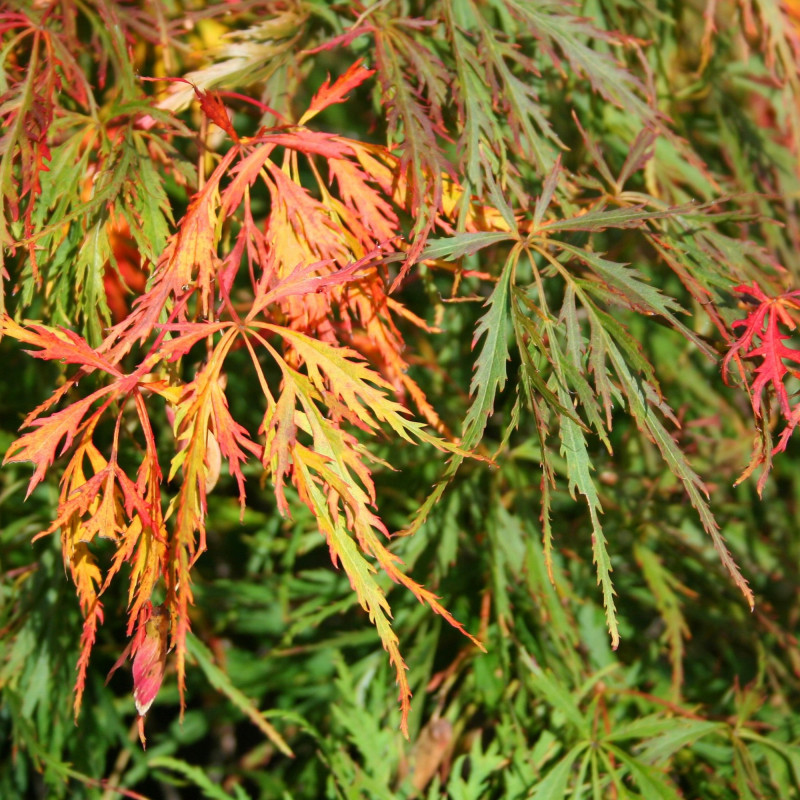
x=277 y=252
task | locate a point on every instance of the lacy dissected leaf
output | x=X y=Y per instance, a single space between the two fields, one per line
x=767 y=328
x=764 y=337
x=58 y=345
x=313 y=245
x=39 y=446
x=328 y=93
x=610 y=344
x=489 y=374
x=188 y=262
x=490 y=366
x=573 y=448
x=84 y=570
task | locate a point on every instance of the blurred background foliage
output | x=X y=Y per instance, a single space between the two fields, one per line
x=701 y=698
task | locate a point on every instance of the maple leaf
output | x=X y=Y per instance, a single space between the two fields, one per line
x=328 y=93
x=39 y=446
x=767 y=328
x=763 y=339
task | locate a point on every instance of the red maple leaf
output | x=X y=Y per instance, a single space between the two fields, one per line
x=767 y=328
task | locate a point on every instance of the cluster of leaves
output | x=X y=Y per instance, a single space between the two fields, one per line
x=243 y=264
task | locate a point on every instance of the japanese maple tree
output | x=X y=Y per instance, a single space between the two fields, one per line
x=258 y=242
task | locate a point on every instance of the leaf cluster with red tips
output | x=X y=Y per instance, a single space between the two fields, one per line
x=321 y=257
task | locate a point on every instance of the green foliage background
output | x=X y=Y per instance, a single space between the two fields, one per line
x=700 y=700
